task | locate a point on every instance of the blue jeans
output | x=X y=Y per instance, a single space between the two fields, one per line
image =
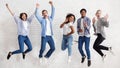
x=81 y=40
x=21 y=41
x=67 y=43
x=50 y=41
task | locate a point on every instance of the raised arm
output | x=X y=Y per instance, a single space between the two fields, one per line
x=37 y=13
x=94 y=21
x=16 y=18
x=53 y=9
x=31 y=18
x=66 y=20
x=9 y=10
x=105 y=20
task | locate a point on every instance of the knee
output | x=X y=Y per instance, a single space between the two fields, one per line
x=80 y=48
x=21 y=50
x=87 y=48
x=30 y=49
x=94 y=47
x=62 y=48
x=53 y=49
x=42 y=49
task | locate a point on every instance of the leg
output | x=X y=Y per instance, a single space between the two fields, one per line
x=21 y=45
x=64 y=42
x=80 y=45
x=52 y=46
x=97 y=43
x=29 y=45
x=43 y=46
x=87 y=43
x=70 y=40
x=103 y=47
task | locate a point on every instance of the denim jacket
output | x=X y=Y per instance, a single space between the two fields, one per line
x=87 y=29
x=43 y=21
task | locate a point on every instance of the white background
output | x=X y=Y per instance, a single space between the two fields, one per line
x=8 y=34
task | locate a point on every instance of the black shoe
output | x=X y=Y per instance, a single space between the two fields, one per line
x=89 y=63
x=23 y=54
x=83 y=59
x=9 y=55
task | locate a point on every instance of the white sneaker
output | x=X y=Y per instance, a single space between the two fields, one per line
x=69 y=59
x=45 y=60
x=41 y=60
x=110 y=50
x=103 y=57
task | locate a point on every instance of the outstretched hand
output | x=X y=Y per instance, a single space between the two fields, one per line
x=50 y=2
x=37 y=5
x=6 y=5
x=106 y=17
x=9 y=9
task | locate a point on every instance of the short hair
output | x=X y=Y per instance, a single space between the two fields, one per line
x=69 y=15
x=83 y=9
x=21 y=14
x=44 y=10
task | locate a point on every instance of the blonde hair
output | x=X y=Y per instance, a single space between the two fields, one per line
x=98 y=11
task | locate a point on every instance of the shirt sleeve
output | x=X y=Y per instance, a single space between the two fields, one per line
x=104 y=22
x=39 y=18
x=52 y=12
x=88 y=23
x=16 y=18
x=70 y=24
x=78 y=25
x=30 y=18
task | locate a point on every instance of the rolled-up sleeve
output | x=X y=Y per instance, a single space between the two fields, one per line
x=105 y=23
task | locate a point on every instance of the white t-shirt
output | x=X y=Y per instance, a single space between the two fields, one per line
x=48 y=29
x=66 y=28
x=25 y=24
x=82 y=27
x=25 y=27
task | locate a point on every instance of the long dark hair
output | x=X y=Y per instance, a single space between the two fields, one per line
x=21 y=14
x=69 y=15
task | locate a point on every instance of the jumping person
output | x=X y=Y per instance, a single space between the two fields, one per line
x=23 y=30
x=83 y=29
x=68 y=30
x=99 y=23
x=47 y=32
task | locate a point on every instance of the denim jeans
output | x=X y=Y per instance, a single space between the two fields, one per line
x=21 y=41
x=67 y=43
x=50 y=41
x=86 y=40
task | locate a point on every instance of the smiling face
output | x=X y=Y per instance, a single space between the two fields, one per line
x=44 y=13
x=83 y=12
x=71 y=19
x=98 y=13
x=23 y=16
